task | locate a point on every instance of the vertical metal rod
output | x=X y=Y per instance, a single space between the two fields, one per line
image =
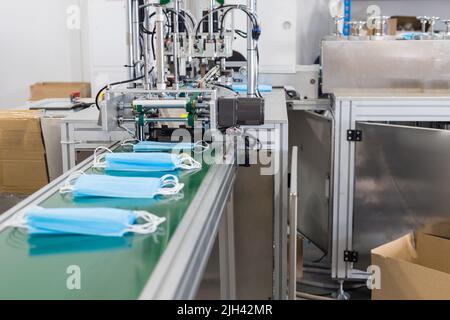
x=176 y=82
x=159 y=48
x=251 y=54
x=211 y=20
x=131 y=49
x=223 y=64
x=140 y=131
x=146 y=49
x=293 y=209
x=135 y=36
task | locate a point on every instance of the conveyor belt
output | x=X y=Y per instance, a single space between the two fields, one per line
x=118 y=268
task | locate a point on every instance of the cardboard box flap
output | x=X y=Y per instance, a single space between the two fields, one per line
x=25 y=120
x=402 y=249
x=433 y=252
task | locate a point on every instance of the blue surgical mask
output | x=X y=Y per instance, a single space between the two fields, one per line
x=155 y=146
x=94 y=222
x=144 y=162
x=81 y=185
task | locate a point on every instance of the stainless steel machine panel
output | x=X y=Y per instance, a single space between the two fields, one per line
x=402 y=183
x=393 y=64
x=254 y=240
x=311 y=133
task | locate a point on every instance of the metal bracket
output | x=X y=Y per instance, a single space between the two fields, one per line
x=71 y=142
x=354 y=135
x=247 y=153
x=350 y=256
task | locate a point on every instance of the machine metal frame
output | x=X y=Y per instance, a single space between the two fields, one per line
x=350 y=109
x=180 y=269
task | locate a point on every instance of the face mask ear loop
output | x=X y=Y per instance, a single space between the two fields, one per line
x=129 y=143
x=201 y=147
x=69 y=184
x=17 y=221
x=170 y=185
x=188 y=163
x=99 y=159
x=151 y=225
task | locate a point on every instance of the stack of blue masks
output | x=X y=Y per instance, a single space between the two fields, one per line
x=81 y=185
x=154 y=146
x=94 y=222
x=144 y=162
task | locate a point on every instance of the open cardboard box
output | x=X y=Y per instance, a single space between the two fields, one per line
x=416 y=266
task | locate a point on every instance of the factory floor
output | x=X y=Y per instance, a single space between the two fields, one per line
x=7 y=201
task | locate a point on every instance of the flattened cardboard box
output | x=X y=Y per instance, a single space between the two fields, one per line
x=415 y=267
x=45 y=90
x=23 y=168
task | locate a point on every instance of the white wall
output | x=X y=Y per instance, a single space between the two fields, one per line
x=313 y=23
x=36 y=46
x=107 y=41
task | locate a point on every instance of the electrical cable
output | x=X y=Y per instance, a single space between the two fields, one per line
x=153 y=43
x=116 y=84
x=183 y=18
x=113 y=84
x=222 y=21
x=258 y=94
x=241 y=33
x=223 y=86
x=189 y=15
x=252 y=16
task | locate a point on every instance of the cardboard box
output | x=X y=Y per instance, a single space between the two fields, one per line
x=415 y=267
x=45 y=90
x=407 y=23
x=23 y=168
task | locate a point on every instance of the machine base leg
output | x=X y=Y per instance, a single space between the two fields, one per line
x=341 y=294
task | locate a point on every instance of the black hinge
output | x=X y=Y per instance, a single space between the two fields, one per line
x=354 y=135
x=350 y=256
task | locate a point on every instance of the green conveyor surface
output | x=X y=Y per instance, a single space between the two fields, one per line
x=35 y=267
